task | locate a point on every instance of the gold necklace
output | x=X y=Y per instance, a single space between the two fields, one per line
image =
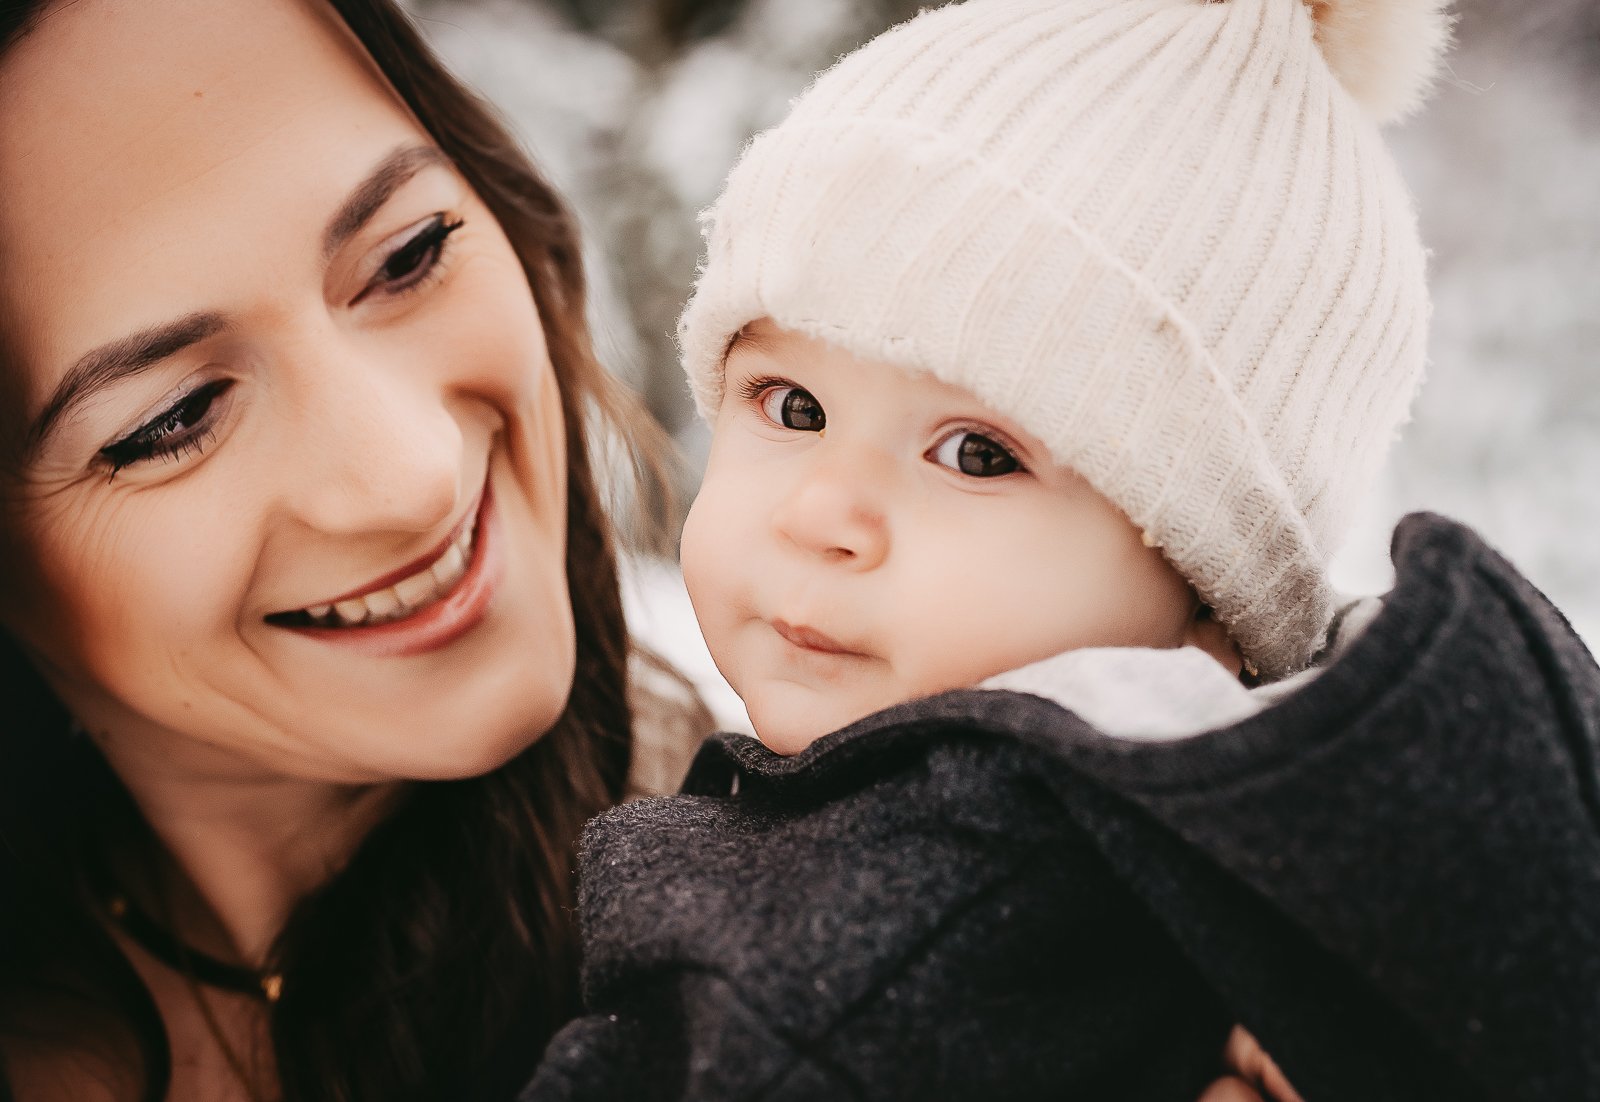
x=161 y=944
x=196 y=969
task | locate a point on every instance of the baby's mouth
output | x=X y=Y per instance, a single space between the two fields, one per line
x=428 y=583
x=810 y=639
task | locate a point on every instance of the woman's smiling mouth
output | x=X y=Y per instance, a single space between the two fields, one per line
x=423 y=583
x=420 y=606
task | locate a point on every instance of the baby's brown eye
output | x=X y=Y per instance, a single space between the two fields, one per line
x=974 y=454
x=793 y=408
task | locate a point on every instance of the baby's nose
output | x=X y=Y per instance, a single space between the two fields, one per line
x=837 y=514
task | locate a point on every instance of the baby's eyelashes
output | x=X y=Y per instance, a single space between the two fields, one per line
x=975 y=454
x=973 y=449
x=792 y=407
x=784 y=404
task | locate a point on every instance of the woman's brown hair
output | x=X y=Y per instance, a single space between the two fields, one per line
x=438 y=962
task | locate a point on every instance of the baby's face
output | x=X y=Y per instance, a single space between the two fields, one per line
x=865 y=536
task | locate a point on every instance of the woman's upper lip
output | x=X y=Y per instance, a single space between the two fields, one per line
x=811 y=638
x=415 y=566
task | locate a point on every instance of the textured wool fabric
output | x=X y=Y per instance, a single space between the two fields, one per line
x=1160 y=235
x=1391 y=877
x=923 y=939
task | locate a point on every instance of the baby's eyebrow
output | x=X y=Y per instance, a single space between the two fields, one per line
x=746 y=338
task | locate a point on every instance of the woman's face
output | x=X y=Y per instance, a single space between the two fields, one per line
x=276 y=372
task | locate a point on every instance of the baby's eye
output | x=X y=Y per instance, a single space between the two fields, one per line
x=975 y=454
x=793 y=408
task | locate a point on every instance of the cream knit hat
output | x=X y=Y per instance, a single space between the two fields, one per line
x=1163 y=236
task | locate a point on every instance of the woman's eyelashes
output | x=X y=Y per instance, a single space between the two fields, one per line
x=185 y=427
x=417 y=258
x=182 y=428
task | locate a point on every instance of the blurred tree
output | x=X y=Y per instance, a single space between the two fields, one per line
x=1566 y=32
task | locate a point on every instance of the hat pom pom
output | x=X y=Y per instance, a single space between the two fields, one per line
x=1384 y=52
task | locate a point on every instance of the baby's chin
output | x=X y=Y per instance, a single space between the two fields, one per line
x=788 y=738
x=788 y=731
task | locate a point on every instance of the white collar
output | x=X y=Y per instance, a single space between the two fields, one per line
x=1154 y=694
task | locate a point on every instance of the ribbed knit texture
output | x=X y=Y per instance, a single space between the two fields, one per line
x=1158 y=234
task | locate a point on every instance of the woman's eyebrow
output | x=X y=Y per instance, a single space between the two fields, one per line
x=116 y=360
x=372 y=193
x=136 y=352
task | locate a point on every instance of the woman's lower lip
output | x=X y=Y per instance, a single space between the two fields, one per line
x=445 y=620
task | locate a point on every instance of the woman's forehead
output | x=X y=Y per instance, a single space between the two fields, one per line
x=148 y=147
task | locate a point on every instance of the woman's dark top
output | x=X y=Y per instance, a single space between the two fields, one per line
x=1392 y=878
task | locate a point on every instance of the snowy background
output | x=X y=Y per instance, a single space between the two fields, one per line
x=637 y=108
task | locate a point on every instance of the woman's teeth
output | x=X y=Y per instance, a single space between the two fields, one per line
x=406 y=596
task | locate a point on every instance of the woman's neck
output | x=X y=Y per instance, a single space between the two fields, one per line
x=244 y=845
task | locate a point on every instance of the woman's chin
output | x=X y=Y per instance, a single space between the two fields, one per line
x=434 y=732
x=493 y=736
x=478 y=759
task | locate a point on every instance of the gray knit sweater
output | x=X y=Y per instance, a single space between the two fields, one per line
x=1392 y=877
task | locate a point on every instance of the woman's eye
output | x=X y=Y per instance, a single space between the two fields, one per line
x=793 y=408
x=183 y=427
x=975 y=454
x=411 y=263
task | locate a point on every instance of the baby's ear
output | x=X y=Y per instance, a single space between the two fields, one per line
x=1211 y=635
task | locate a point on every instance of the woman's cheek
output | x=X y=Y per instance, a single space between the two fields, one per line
x=178 y=574
x=485 y=329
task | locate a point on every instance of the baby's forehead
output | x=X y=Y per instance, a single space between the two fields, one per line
x=761 y=334
x=764 y=345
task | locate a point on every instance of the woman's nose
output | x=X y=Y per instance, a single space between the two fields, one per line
x=836 y=512
x=382 y=452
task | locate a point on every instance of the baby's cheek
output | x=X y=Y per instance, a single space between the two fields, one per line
x=697 y=552
x=710 y=574
x=1001 y=631
x=964 y=619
